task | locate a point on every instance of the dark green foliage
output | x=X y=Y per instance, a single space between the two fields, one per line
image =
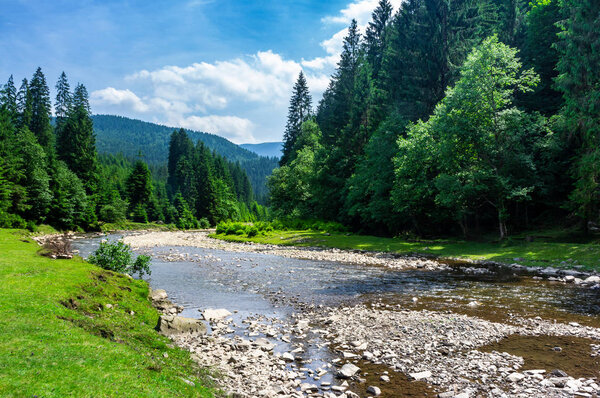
x=117 y=257
x=76 y=141
x=579 y=81
x=540 y=53
x=39 y=98
x=299 y=111
x=115 y=134
x=139 y=191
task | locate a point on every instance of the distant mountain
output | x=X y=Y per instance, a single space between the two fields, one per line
x=117 y=134
x=269 y=149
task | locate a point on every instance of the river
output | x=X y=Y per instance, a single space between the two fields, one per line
x=275 y=291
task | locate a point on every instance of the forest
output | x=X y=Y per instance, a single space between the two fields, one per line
x=117 y=134
x=50 y=170
x=452 y=118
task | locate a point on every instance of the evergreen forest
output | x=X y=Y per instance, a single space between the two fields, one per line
x=452 y=118
x=50 y=170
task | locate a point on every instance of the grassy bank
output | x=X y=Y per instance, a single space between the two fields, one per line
x=61 y=338
x=543 y=251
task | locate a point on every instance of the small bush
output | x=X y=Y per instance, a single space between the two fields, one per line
x=117 y=257
x=252 y=232
x=8 y=220
x=203 y=223
x=109 y=213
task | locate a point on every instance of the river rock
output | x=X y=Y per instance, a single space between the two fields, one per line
x=421 y=375
x=347 y=371
x=158 y=294
x=169 y=325
x=516 y=377
x=374 y=390
x=215 y=315
x=591 y=280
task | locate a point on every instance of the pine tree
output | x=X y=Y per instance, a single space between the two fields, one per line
x=375 y=37
x=139 y=190
x=579 y=81
x=76 y=141
x=8 y=98
x=24 y=105
x=81 y=98
x=63 y=98
x=41 y=110
x=299 y=111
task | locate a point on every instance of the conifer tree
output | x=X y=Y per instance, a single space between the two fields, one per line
x=63 y=98
x=299 y=111
x=41 y=110
x=579 y=81
x=24 y=105
x=139 y=190
x=8 y=98
x=375 y=37
x=76 y=141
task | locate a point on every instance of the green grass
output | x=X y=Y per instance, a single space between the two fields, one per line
x=58 y=338
x=541 y=252
x=136 y=226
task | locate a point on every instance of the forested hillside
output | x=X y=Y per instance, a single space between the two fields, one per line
x=117 y=134
x=453 y=117
x=51 y=173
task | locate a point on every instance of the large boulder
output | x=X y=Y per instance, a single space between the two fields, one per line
x=213 y=315
x=170 y=325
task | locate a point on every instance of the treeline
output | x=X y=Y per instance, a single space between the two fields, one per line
x=51 y=173
x=452 y=117
x=116 y=134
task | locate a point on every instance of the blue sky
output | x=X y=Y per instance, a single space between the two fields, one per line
x=226 y=67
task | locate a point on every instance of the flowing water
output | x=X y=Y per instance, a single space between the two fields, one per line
x=254 y=284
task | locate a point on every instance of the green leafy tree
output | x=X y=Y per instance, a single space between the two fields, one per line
x=484 y=144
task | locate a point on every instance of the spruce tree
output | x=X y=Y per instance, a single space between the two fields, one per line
x=139 y=190
x=41 y=110
x=76 y=141
x=24 y=105
x=63 y=98
x=299 y=111
x=375 y=36
x=579 y=81
x=8 y=98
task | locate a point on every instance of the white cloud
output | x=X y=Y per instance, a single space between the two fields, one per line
x=114 y=97
x=235 y=129
x=360 y=10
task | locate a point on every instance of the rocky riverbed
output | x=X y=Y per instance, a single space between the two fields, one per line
x=201 y=239
x=335 y=326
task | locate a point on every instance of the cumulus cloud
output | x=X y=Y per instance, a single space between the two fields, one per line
x=235 y=129
x=115 y=97
x=360 y=10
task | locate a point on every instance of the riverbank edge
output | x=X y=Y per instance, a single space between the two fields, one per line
x=288 y=239
x=96 y=329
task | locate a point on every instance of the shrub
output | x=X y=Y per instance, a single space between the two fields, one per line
x=117 y=257
x=9 y=220
x=252 y=231
x=203 y=223
x=109 y=213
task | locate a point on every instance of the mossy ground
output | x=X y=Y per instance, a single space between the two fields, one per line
x=59 y=338
x=548 y=248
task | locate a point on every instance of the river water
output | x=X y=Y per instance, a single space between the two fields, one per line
x=261 y=285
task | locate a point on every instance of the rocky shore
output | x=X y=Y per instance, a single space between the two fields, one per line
x=202 y=240
x=447 y=352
